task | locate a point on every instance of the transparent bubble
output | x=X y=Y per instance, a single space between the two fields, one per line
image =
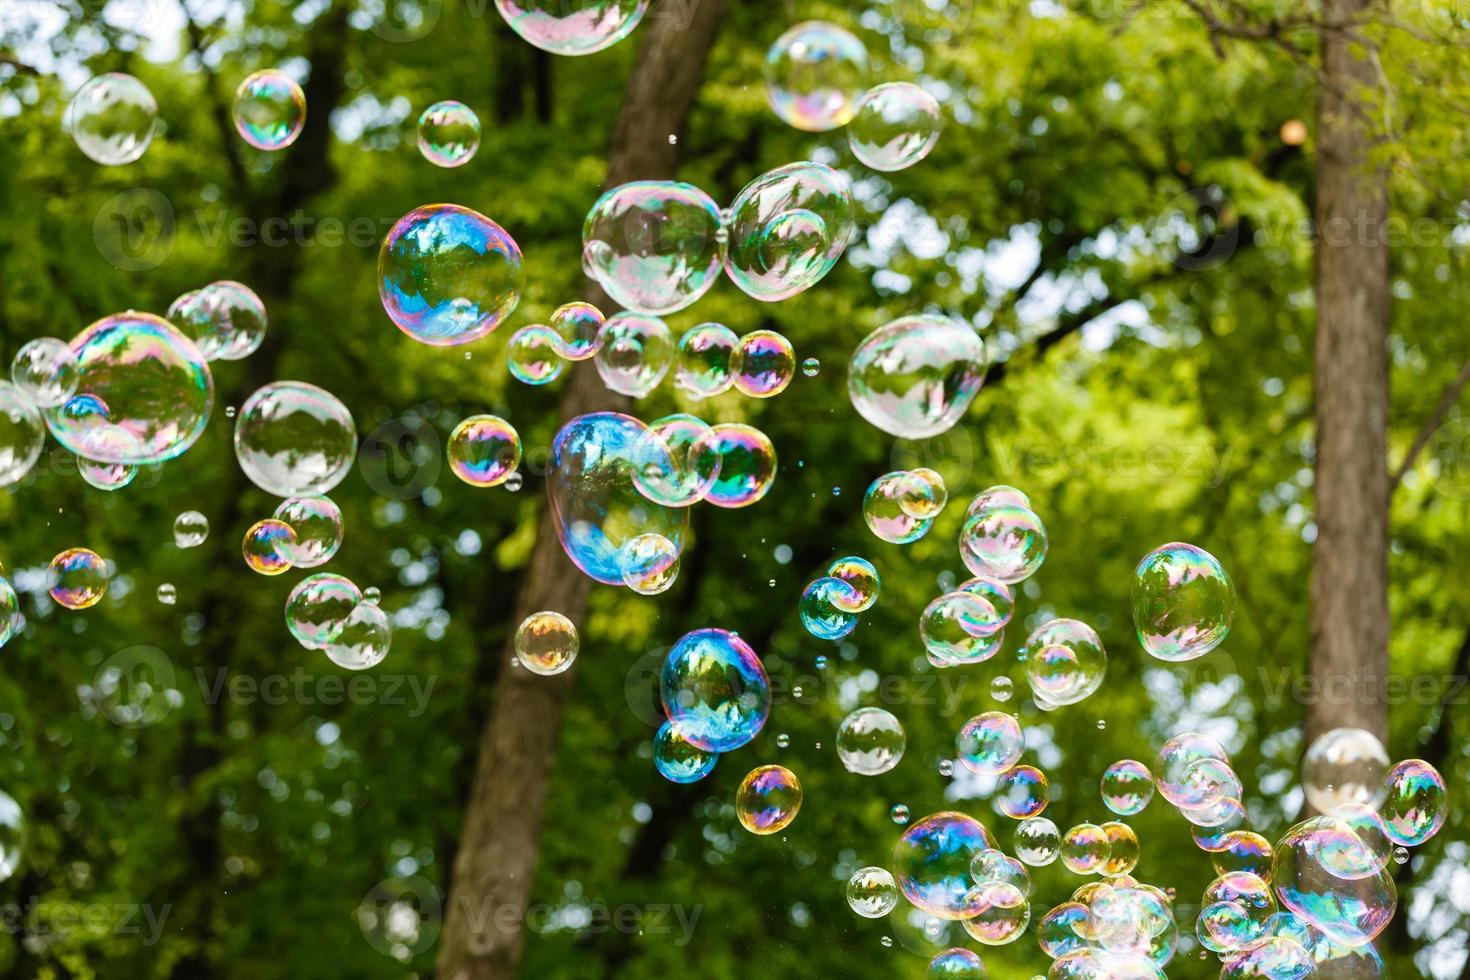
x=932 y=862
x=531 y=355
x=9 y=611
x=22 y=434
x=484 y=450
x=811 y=367
x=747 y=465
x=316 y=530
x=999 y=495
x=870 y=741
x=872 y=892
x=787 y=229
x=653 y=245
x=372 y=595
x=1183 y=602
x=997 y=925
x=895 y=126
x=956 y=964
x=1236 y=909
x=577 y=327
x=890 y=503
x=78 y=578
x=1124 y=849
x=1038 y=842
x=715 y=689
x=679 y=760
x=1127 y=787
x=704 y=359
x=1085 y=849
x=269 y=110
x=318 y=607
x=1243 y=850
x=449 y=134
x=546 y=643
x=1021 y=792
x=190 y=529
x=820 y=612
x=1275 y=957
x=1352 y=911
x=572 y=27
x=915 y=377
x=1058 y=932
x=1065 y=661
x=595 y=502
x=815 y=74
x=1204 y=784
x=899 y=814
x=1343 y=767
x=1415 y=802
x=990 y=743
x=960 y=628
x=364 y=639
x=635 y=353
x=1231 y=816
x=107 y=476
x=650 y=563
x=294 y=439
x=768 y=799
x=448 y=275
x=12 y=836
x=1003 y=881
x=112 y=118
x=225 y=319
x=862 y=579
x=1177 y=764
x=1003 y=542
x=46 y=370
x=1097 y=964
x=763 y=364
x=1001 y=688
x=677 y=460
x=138 y=373
x=265 y=546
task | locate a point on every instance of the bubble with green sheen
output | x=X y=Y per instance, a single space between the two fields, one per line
x=932 y=862
x=1127 y=787
x=1273 y=957
x=1253 y=900
x=78 y=578
x=112 y=118
x=635 y=353
x=957 y=963
x=226 y=319
x=265 y=546
x=364 y=640
x=747 y=465
x=269 y=110
x=915 y=376
x=1415 y=802
x=1344 y=767
x=9 y=611
x=448 y=275
x=572 y=27
x=316 y=530
x=1037 y=841
x=546 y=643
x=1351 y=911
x=870 y=741
x=899 y=814
x=655 y=246
x=704 y=358
x=1183 y=602
x=1003 y=542
x=811 y=367
x=1065 y=661
x=715 y=690
x=677 y=759
x=677 y=460
x=763 y=364
x=190 y=529
x=786 y=230
x=531 y=355
x=449 y=134
x=318 y=607
x=768 y=799
x=861 y=577
x=889 y=504
x=872 y=892
x=484 y=450
x=1058 y=934
x=815 y=74
x=577 y=326
x=894 y=126
x=650 y=563
x=959 y=628
x=820 y=613
x=1176 y=759
x=46 y=370
x=990 y=743
x=12 y=835
x=1124 y=849
x=1021 y=792
x=294 y=439
x=1085 y=849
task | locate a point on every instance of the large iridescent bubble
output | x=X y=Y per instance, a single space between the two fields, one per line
x=932 y=863
x=715 y=690
x=112 y=118
x=448 y=275
x=572 y=27
x=787 y=229
x=135 y=372
x=747 y=465
x=913 y=378
x=22 y=434
x=595 y=503
x=896 y=125
x=1351 y=911
x=318 y=607
x=653 y=245
x=1416 y=802
x=294 y=439
x=815 y=74
x=634 y=353
x=1182 y=602
x=1342 y=768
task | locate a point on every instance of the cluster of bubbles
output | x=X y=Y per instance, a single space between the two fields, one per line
x=304 y=532
x=546 y=643
x=328 y=612
x=710 y=360
x=538 y=351
x=900 y=506
x=580 y=28
x=967 y=624
x=915 y=377
x=817 y=81
x=448 y=134
x=484 y=450
x=830 y=605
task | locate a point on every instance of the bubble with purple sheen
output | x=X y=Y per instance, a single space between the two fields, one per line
x=484 y=450
x=932 y=861
x=1183 y=602
x=572 y=29
x=768 y=799
x=763 y=364
x=269 y=110
x=78 y=578
x=655 y=246
x=715 y=690
x=747 y=465
x=1021 y=792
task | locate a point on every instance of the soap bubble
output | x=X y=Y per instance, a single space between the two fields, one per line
x=1178 y=760
x=1230 y=817
x=1002 y=880
x=1085 y=849
x=46 y=370
x=1182 y=602
x=22 y=434
x=1065 y=661
x=449 y=134
x=1097 y=964
x=78 y=578
x=768 y=799
x=889 y=503
x=1006 y=543
x=1204 y=785
x=364 y=639
x=815 y=74
x=677 y=759
x=484 y=450
x=870 y=741
x=294 y=439
x=997 y=926
x=811 y=367
x=653 y=245
x=650 y=563
x=895 y=126
x=899 y=814
x=677 y=460
x=1123 y=849
x=932 y=864
x=448 y=275
x=112 y=118
x=318 y=607
x=990 y=743
x=871 y=892
x=138 y=373
x=1351 y=911
x=265 y=546
x=9 y=611
x=634 y=354
x=107 y=476
x=595 y=502
x=999 y=495
x=225 y=319
x=577 y=326
x=270 y=110
x=1342 y=767
x=1243 y=850
x=787 y=229
x=1237 y=907
x=1001 y=688
x=747 y=465
x=1351 y=847
x=704 y=359
x=12 y=835
x=959 y=628
x=190 y=529
x=572 y=27
x=956 y=964
x=546 y=643
x=715 y=690
x=316 y=530
x=1038 y=842
x=820 y=613
x=1274 y=957
x=531 y=355
x=1415 y=802
x=763 y=364
x=861 y=577
x=1059 y=931
x=914 y=377
x=1021 y=792
x=1127 y=787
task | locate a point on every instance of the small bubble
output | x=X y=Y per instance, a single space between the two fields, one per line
x=821 y=662
x=810 y=367
x=946 y=767
x=899 y=814
x=887 y=941
x=167 y=594
x=783 y=740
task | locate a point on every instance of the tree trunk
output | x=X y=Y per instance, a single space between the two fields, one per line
x=496 y=859
x=1350 y=625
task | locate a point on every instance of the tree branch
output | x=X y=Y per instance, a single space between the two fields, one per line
x=1431 y=425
